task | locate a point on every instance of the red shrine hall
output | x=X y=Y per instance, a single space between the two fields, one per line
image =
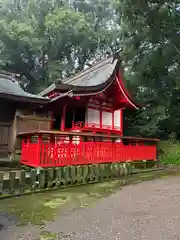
x=91 y=101
x=86 y=122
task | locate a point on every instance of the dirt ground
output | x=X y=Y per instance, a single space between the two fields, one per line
x=144 y=211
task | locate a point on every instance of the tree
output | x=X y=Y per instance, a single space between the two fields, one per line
x=150 y=33
x=43 y=40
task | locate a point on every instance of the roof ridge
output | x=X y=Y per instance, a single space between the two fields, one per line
x=74 y=77
x=86 y=71
x=5 y=76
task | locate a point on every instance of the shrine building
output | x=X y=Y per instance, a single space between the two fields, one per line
x=73 y=122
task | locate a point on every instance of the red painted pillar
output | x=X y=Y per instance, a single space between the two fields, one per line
x=63 y=118
x=38 y=151
x=121 y=121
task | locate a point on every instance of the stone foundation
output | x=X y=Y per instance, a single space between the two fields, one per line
x=71 y=175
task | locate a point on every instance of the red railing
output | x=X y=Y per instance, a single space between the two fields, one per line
x=95 y=127
x=85 y=153
x=52 y=152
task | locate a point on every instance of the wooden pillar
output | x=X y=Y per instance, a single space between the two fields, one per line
x=12 y=142
x=63 y=118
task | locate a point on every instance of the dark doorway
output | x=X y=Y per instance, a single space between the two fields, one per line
x=74 y=115
x=69 y=118
x=80 y=114
x=57 y=121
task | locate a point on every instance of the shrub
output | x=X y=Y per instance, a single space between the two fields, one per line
x=169 y=152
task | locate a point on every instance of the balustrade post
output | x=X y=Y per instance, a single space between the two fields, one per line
x=63 y=118
x=38 y=151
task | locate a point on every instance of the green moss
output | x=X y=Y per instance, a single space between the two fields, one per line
x=39 y=208
x=56 y=202
x=46 y=235
x=35 y=209
x=143 y=164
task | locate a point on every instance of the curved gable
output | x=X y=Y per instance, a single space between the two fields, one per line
x=92 y=81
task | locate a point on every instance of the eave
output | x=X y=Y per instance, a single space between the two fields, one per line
x=24 y=99
x=92 y=81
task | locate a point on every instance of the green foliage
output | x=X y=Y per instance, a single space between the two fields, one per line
x=150 y=33
x=169 y=152
x=48 y=39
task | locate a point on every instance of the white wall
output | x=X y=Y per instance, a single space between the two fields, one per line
x=93 y=116
x=117 y=119
x=107 y=118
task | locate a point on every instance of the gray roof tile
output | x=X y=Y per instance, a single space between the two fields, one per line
x=9 y=86
x=91 y=78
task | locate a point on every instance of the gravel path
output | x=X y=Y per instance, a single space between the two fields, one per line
x=146 y=211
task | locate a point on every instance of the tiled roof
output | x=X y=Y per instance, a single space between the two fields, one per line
x=9 y=86
x=91 y=78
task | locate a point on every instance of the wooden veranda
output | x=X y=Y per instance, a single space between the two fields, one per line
x=55 y=148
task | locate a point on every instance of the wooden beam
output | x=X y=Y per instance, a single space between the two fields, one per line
x=33 y=133
x=12 y=139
